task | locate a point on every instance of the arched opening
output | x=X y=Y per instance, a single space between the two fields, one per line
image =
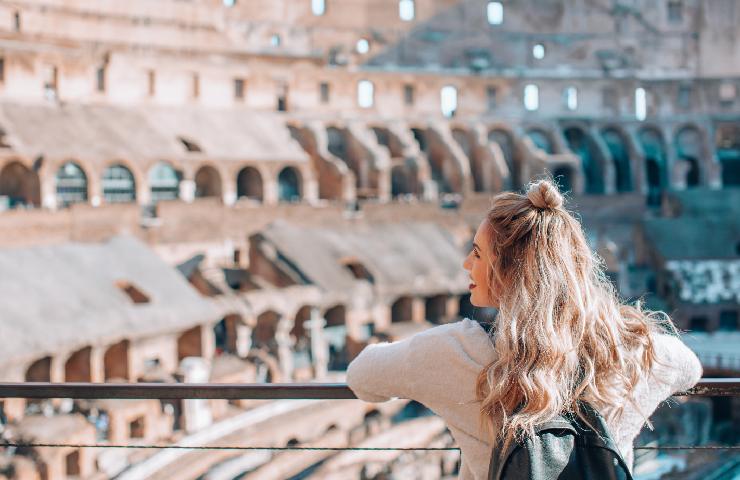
x=402 y=310
x=444 y=169
x=420 y=138
x=72 y=463
x=289 y=185
x=563 y=178
x=249 y=184
x=389 y=140
x=466 y=309
x=301 y=333
x=118 y=185
x=581 y=144
x=541 y=140
x=116 y=361
x=226 y=335
x=727 y=140
x=207 y=182
x=656 y=174
x=164 y=182
x=190 y=343
x=335 y=333
x=463 y=139
x=21 y=185
x=77 y=367
x=71 y=183
x=506 y=143
x=336 y=143
x=357 y=158
x=263 y=335
x=619 y=151
x=436 y=308
x=38 y=371
x=403 y=180
x=689 y=149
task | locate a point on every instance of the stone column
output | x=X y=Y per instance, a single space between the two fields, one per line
x=187 y=190
x=243 y=339
x=97 y=365
x=285 y=349
x=319 y=348
x=418 y=313
x=269 y=190
x=195 y=412
x=48 y=192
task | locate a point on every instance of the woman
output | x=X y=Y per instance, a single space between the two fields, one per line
x=561 y=335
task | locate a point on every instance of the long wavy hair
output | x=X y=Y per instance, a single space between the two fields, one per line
x=562 y=335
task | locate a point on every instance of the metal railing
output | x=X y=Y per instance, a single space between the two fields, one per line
x=707 y=387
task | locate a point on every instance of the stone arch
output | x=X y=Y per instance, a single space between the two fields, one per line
x=616 y=143
x=335 y=333
x=164 y=182
x=290 y=185
x=71 y=184
x=39 y=371
x=689 y=145
x=505 y=140
x=77 y=368
x=190 y=343
x=20 y=184
x=207 y=182
x=226 y=336
x=264 y=334
x=249 y=184
x=542 y=139
x=119 y=184
x=404 y=179
x=402 y=310
x=582 y=144
x=116 y=361
x=656 y=163
x=301 y=339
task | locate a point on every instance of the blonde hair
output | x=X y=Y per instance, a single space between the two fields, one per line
x=562 y=335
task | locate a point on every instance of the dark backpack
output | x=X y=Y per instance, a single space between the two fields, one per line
x=564 y=448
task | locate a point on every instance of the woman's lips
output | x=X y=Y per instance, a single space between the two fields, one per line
x=471 y=286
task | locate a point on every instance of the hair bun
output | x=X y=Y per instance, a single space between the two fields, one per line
x=543 y=194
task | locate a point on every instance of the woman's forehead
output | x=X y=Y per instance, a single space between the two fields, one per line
x=481 y=235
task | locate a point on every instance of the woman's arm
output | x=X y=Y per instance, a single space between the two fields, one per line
x=685 y=367
x=379 y=372
x=436 y=367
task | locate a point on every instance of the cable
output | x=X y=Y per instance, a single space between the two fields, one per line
x=373 y=449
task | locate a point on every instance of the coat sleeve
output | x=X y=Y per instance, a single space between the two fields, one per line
x=379 y=373
x=435 y=367
x=686 y=369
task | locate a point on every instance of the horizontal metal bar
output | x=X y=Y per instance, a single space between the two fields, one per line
x=333 y=449
x=707 y=387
